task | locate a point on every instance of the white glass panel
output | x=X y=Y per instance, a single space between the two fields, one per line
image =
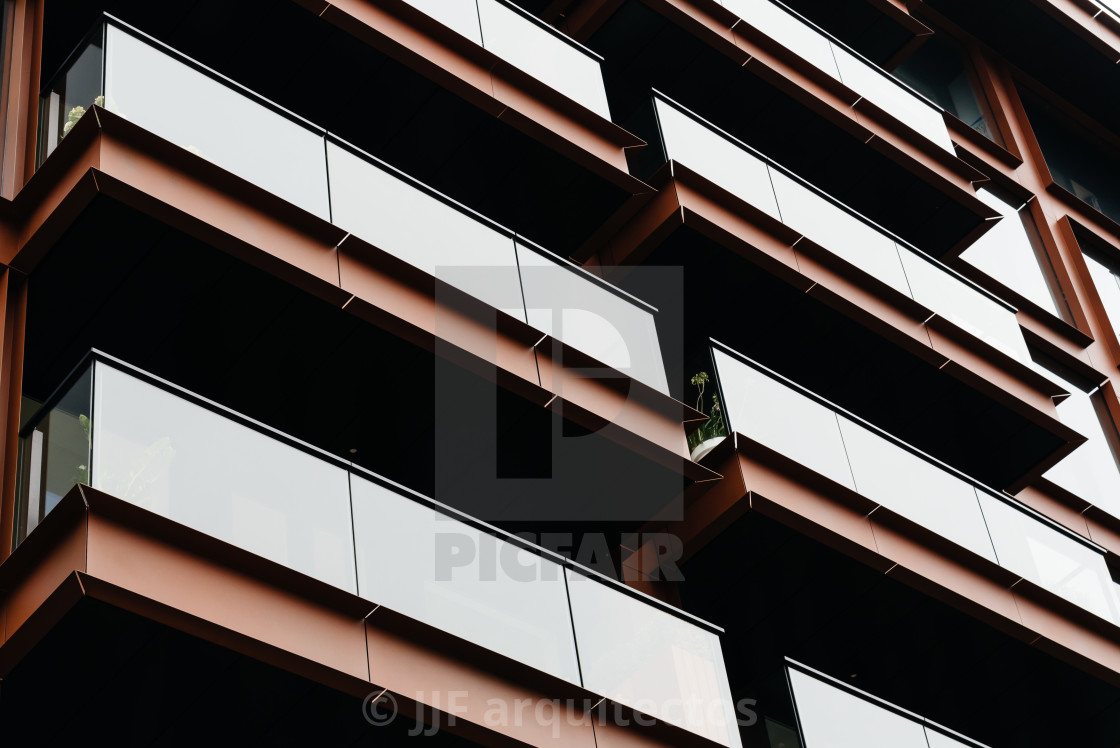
x=543 y=55
x=916 y=489
x=1050 y=559
x=1108 y=288
x=1090 y=471
x=407 y=222
x=215 y=121
x=787 y=30
x=941 y=740
x=460 y=15
x=963 y=305
x=886 y=93
x=782 y=419
x=716 y=158
x=652 y=661
x=191 y=465
x=458 y=579
x=1005 y=253
x=576 y=310
x=838 y=231
x=833 y=718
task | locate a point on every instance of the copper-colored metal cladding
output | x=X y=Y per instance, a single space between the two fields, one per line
x=480 y=77
x=107 y=155
x=896 y=11
x=106 y=549
x=93 y=545
x=688 y=199
x=1097 y=28
x=757 y=478
x=13 y=306
x=19 y=99
x=1094 y=344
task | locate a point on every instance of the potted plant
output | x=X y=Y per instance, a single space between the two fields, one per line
x=705 y=438
x=76 y=114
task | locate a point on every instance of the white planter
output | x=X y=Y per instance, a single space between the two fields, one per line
x=705 y=447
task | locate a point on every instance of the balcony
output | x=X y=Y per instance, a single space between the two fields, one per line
x=527 y=43
x=825 y=53
x=146 y=83
x=186 y=459
x=778 y=414
x=833 y=713
x=785 y=197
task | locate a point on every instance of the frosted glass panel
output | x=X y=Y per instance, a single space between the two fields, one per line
x=652 y=661
x=1090 y=471
x=460 y=15
x=839 y=231
x=449 y=575
x=1051 y=559
x=592 y=319
x=1006 y=254
x=941 y=740
x=833 y=718
x=787 y=30
x=889 y=95
x=781 y=418
x=187 y=463
x=963 y=305
x=543 y=55
x=915 y=488
x=215 y=121
x=407 y=222
x=714 y=157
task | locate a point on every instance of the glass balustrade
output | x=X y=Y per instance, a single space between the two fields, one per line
x=137 y=78
x=871 y=82
x=752 y=177
x=649 y=660
x=1091 y=471
x=964 y=304
x=452 y=576
x=832 y=714
x=160 y=448
x=528 y=44
x=777 y=413
x=1006 y=253
x=215 y=120
x=580 y=311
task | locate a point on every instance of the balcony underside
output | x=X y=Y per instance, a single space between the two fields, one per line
x=813 y=324
x=529 y=175
x=783 y=593
x=142 y=682
x=919 y=198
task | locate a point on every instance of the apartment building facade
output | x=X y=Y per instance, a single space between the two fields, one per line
x=573 y=372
